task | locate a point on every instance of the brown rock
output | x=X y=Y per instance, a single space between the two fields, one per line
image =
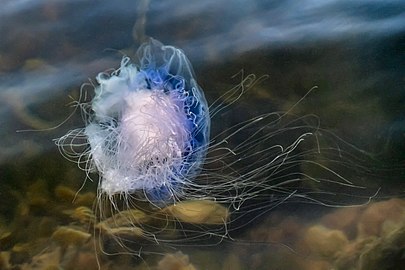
x=372 y=220
x=324 y=242
x=175 y=261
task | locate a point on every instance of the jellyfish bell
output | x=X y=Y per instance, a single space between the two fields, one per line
x=149 y=128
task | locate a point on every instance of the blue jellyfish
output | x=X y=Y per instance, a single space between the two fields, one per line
x=147 y=135
x=149 y=127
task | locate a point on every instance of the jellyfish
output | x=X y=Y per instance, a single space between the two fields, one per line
x=147 y=136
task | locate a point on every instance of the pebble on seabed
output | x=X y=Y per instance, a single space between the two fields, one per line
x=175 y=261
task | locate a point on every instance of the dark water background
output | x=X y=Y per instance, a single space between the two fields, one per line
x=354 y=51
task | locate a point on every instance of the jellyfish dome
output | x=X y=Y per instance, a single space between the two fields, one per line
x=149 y=127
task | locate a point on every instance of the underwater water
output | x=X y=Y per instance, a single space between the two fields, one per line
x=352 y=51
